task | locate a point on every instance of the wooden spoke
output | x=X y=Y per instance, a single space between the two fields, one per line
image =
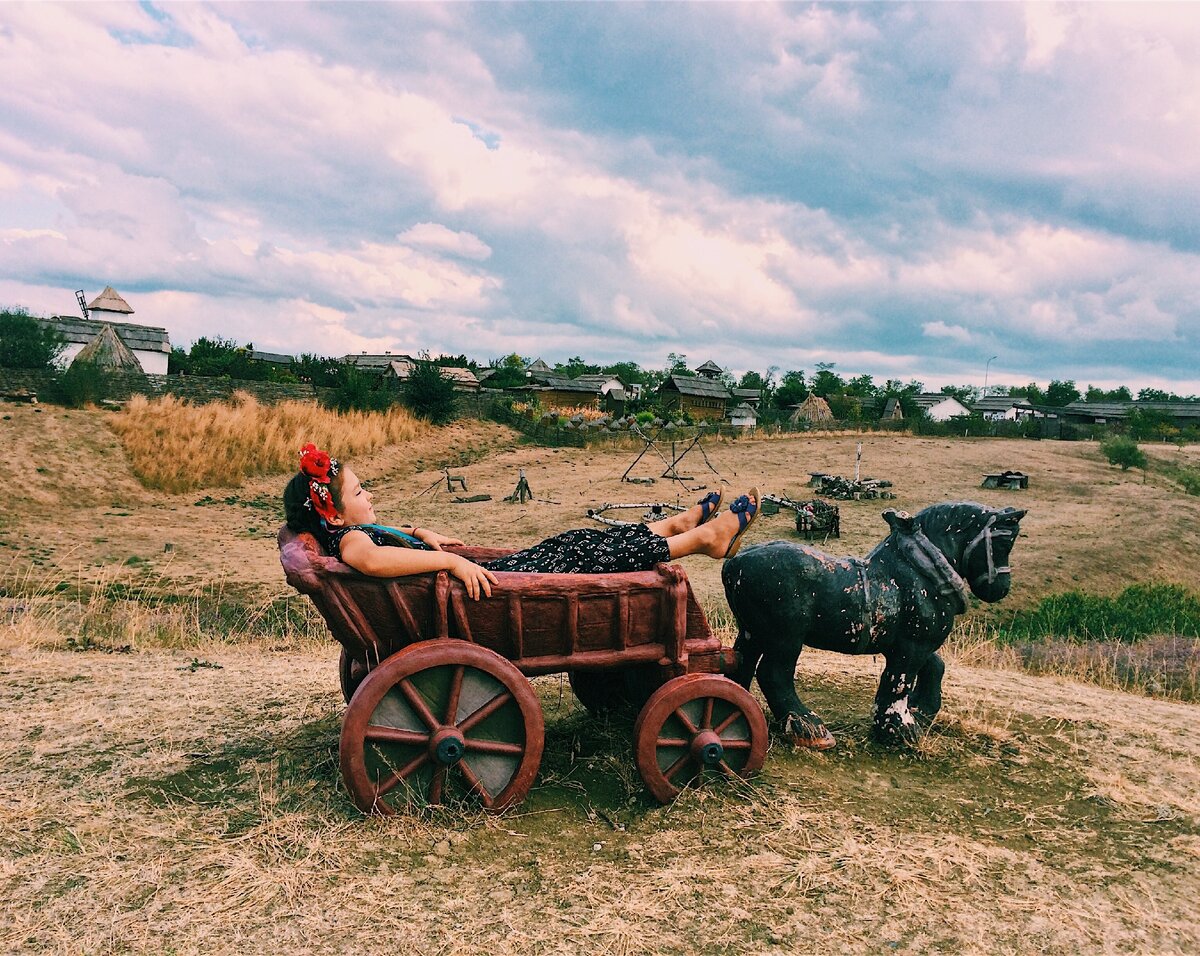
x=452 y=697
x=727 y=723
x=378 y=734
x=484 y=712
x=477 y=786
x=706 y=723
x=677 y=766
x=493 y=747
x=397 y=775
x=418 y=704
x=673 y=742
x=726 y=769
x=436 y=785
x=686 y=721
x=736 y=744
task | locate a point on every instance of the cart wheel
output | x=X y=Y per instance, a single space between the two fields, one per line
x=440 y=720
x=698 y=723
x=351 y=673
x=616 y=690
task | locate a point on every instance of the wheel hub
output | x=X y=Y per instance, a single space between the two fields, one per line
x=447 y=746
x=707 y=748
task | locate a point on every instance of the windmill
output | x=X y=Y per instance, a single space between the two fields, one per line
x=82 y=300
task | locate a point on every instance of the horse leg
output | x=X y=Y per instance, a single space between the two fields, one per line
x=748 y=654
x=777 y=678
x=927 y=697
x=893 y=722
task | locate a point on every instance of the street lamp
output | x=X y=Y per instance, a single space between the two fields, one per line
x=985 y=373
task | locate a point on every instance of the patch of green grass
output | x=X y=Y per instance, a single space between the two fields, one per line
x=1138 y=611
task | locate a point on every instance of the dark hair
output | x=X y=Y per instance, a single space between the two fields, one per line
x=300 y=517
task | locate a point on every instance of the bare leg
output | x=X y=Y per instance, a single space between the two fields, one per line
x=712 y=539
x=677 y=523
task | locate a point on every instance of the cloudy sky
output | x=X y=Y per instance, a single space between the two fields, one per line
x=903 y=190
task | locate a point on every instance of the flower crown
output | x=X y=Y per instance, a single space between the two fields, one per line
x=319 y=469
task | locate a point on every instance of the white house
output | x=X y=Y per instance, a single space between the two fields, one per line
x=939 y=407
x=150 y=345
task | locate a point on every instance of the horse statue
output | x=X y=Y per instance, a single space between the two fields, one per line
x=900 y=601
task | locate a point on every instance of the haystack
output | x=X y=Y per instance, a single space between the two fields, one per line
x=107 y=350
x=812 y=409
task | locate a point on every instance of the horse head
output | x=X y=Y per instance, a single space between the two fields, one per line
x=976 y=540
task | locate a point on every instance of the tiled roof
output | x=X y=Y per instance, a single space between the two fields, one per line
x=79 y=331
x=375 y=363
x=275 y=358
x=694 y=385
x=998 y=403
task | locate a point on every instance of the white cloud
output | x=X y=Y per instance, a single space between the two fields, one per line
x=940 y=330
x=433 y=235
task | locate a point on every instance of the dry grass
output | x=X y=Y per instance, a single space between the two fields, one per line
x=1166 y=666
x=148 y=806
x=176 y=446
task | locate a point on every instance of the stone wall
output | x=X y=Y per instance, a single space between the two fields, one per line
x=195 y=388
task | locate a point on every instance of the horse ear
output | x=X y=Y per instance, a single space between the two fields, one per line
x=1013 y=514
x=898 y=520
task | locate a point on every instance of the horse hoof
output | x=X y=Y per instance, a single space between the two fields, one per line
x=807 y=734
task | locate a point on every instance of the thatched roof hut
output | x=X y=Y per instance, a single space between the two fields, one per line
x=108 y=351
x=812 y=409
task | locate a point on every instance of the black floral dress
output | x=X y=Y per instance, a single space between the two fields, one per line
x=631 y=547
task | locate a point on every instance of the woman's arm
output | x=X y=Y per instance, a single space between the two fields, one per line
x=364 y=555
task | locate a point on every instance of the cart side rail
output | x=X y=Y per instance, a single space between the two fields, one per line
x=543 y=623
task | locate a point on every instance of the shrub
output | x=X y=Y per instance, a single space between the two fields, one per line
x=428 y=394
x=26 y=343
x=1136 y=612
x=1123 y=451
x=83 y=383
x=359 y=392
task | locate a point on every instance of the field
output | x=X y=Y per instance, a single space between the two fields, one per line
x=175 y=789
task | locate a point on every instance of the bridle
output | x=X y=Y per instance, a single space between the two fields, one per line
x=985 y=537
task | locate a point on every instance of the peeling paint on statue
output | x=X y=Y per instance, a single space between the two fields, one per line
x=901 y=603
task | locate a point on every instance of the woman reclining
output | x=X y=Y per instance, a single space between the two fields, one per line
x=327 y=499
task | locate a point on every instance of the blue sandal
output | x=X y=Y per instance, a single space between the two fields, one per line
x=709 y=505
x=746 y=513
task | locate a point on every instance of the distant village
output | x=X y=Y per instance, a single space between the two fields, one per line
x=105 y=334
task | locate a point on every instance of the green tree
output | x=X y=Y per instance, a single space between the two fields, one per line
x=967 y=394
x=677 y=365
x=792 y=390
x=827 y=382
x=1032 y=393
x=861 y=385
x=1144 y=423
x=1060 y=394
x=428 y=394
x=318 y=370
x=1120 y=394
x=26 y=342
x=360 y=392
x=628 y=372
x=575 y=366
x=1123 y=451
x=510 y=371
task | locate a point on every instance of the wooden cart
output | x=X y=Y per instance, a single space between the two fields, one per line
x=439 y=705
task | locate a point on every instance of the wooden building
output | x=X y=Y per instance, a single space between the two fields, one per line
x=702 y=398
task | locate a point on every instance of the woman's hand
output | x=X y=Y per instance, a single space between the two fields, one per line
x=478 y=579
x=433 y=539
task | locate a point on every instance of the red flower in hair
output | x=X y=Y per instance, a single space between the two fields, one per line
x=315 y=463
